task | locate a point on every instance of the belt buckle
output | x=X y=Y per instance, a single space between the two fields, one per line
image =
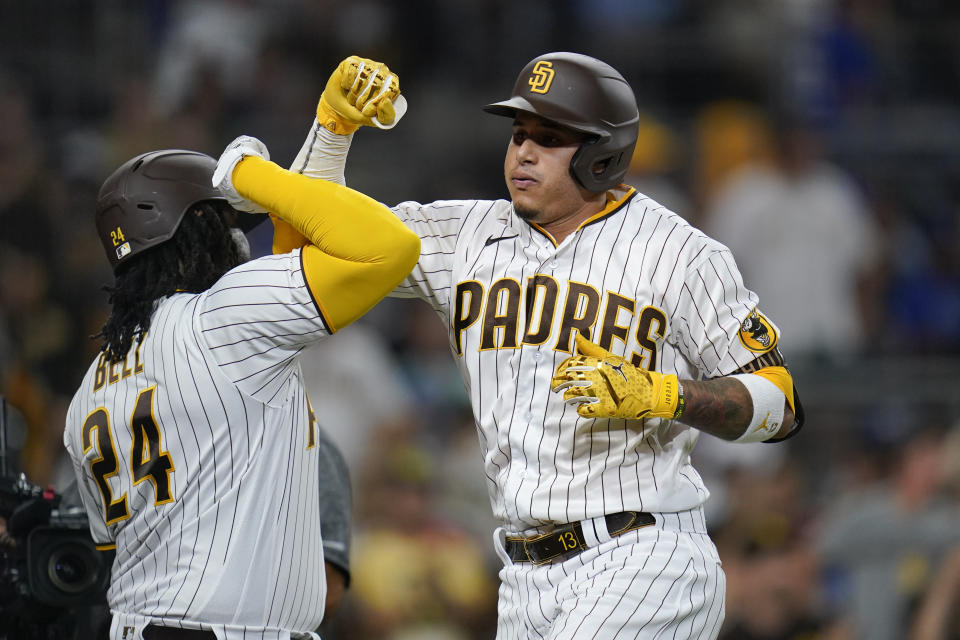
x=533 y=540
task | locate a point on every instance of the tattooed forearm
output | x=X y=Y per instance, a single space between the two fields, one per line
x=721 y=407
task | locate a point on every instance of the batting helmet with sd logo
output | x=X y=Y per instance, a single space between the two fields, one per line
x=586 y=95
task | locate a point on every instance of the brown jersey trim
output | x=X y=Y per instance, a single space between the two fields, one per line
x=772 y=358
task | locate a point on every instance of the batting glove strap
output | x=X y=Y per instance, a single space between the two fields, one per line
x=240 y=148
x=332 y=121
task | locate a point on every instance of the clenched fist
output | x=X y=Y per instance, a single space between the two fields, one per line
x=603 y=385
x=360 y=92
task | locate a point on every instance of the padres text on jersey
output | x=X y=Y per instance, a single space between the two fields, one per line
x=512 y=300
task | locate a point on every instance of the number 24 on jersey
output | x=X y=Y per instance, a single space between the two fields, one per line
x=148 y=460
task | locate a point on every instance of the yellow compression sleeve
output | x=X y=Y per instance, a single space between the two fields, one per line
x=358 y=252
x=781 y=377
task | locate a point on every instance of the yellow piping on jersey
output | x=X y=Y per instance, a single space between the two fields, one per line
x=781 y=377
x=106 y=547
x=612 y=206
x=544 y=232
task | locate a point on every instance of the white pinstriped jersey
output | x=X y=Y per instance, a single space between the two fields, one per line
x=210 y=408
x=639 y=280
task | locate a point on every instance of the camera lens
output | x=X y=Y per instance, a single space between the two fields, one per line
x=71 y=569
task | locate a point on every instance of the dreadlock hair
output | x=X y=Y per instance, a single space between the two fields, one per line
x=199 y=252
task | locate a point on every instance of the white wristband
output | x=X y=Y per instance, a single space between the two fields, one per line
x=323 y=155
x=768 y=402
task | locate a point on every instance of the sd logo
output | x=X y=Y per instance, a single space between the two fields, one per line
x=542 y=77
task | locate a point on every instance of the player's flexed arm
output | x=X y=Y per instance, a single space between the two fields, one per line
x=359 y=92
x=358 y=250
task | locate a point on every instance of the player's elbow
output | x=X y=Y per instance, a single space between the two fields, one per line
x=388 y=246
x=392 y=263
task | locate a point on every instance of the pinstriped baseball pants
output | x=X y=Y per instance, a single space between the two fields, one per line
x=662 y=581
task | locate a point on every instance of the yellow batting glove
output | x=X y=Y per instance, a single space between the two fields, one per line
x=603 y=385
x=360 y=92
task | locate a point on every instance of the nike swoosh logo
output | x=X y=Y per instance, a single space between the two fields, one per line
x=492 y=240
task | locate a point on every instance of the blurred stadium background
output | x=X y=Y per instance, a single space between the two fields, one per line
x=819 y=139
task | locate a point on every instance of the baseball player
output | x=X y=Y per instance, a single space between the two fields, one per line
x=194 y=444
x=598 y=334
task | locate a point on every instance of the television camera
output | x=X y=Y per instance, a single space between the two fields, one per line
x=53 y=580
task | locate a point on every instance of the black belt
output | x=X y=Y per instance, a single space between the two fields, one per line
x=567 y=540
x=157 y=632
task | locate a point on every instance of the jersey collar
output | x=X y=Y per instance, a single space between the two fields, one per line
x=616 y=199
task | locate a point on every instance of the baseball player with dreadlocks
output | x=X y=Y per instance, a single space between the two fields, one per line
x=193 y=441
x=598 y=335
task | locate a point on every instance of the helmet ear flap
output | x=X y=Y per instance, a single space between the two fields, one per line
x=586 y=160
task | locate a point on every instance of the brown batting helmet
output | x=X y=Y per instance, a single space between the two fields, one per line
x=586 y=95
x=142 y=203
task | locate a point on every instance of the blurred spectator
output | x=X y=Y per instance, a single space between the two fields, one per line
x=761 y=527
x=728 y=136
x=654 y=166
x=133 y=125
x=431 y=373
x=416 y=575
x=762 y=504
x=805 y=242
x=938 y=616
x=465 y=496
x=922 y=300
x=884 y=542
x=210 y=45
x=776 y=596
x=26 y=188
x=32 y=318
x=40 y=327
x=938 y=612
x=355 y=389
x=830 y=59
